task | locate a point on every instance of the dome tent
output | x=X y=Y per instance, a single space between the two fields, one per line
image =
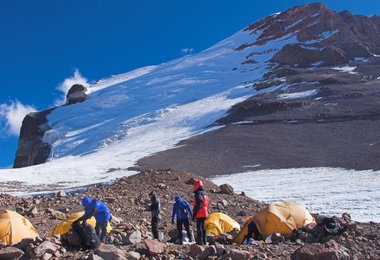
x=219 y=223
x=14 y=228
x=282 y=217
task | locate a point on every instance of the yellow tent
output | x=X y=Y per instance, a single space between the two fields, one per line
x=14 y=228
x=282 y=217
x=219 y=223
x=65 y=225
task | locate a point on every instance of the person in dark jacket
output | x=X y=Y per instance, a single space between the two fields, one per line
x=200 y=211
x=97 y=209
x=155 y=208
x=181 y=211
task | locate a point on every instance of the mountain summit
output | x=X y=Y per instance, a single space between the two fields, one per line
x=295 y=89
x=323 y=35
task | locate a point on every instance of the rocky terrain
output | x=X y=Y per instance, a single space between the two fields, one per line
x=127 y=198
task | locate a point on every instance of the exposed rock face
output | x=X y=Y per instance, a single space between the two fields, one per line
x=321 y=35
x=76 y=94
x=31 y=149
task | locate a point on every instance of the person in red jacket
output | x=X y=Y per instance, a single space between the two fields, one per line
x=200 y=211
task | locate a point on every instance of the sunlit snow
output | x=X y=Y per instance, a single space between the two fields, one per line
x=347 y=69
x=131 y=115
x=330 y=191
x=295 y=95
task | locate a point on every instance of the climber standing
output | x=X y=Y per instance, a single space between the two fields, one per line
x=200 y=211
x=155 y=208
x=181 y=213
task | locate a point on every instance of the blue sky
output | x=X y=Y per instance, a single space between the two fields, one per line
x=44 y=42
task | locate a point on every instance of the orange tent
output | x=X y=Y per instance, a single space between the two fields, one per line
x=282 y=217
x=14 y=228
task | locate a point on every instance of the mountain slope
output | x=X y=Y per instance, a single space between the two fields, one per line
x=136 y=114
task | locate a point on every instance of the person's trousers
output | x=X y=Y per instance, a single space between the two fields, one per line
x=184 y=222
x=101 y=231
x=155 y=222
x=201 y=231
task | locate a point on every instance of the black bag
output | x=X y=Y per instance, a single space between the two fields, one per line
x=88 y=234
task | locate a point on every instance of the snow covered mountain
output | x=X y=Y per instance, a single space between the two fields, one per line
x=259 y=73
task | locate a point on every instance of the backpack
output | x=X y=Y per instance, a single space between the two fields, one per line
x=88 y=234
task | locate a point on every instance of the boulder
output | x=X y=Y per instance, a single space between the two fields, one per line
x=11 y=253
x=226 y=189
x=46 y=247
x=133 y=238
x=237 y=254
x=154 y=247
x=208 y=252
x=94 y=257
x=76 y=94
x=132 y=255
x=33 y=211
x=196 y=250
x=61 y=194
x=56 y=214
x=109 y=252
x=220 y=249
x=46 y=256
x=115 y=220
x=328 y=251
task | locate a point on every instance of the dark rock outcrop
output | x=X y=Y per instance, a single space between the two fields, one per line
x=76 y=94
x=31 y=149
x=322 y=35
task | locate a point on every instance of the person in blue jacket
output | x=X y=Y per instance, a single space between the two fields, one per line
x=101 y=213
x=181 y=212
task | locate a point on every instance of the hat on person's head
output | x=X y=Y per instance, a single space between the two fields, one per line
x=86 y=201
x=197 y=184
x=177 y=198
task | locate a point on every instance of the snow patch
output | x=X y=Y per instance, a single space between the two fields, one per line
x=330 y=191
x=316 y=64
x=347 y=69
x=303 y=94
x=322 y=36
x=362 y=59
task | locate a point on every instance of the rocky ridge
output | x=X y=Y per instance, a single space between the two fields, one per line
x=323 y=35
x=307 y=112
x=130 y=238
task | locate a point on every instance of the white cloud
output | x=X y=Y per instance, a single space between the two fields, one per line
x=187 y=51
x=64 y=87
x=11 y=116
